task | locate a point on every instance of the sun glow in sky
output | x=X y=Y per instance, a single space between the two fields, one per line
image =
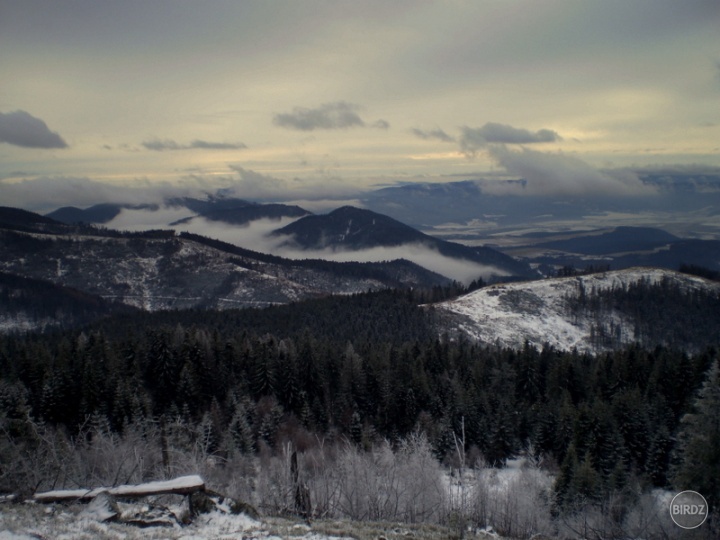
x=317 y=98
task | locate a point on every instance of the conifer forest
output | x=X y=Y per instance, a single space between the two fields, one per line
x=363 y=378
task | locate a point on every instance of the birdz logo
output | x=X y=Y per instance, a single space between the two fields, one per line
x=688 y=509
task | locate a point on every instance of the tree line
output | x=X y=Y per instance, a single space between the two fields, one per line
x=369 y=371
x=600 y=419
x=662 y=312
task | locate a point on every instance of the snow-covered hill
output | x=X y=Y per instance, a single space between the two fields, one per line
x=357 y=229
x=163 y=271
x=547 y=312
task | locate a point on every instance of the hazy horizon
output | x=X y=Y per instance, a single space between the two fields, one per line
x=319 y=100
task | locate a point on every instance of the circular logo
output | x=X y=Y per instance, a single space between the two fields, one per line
x=688 y=509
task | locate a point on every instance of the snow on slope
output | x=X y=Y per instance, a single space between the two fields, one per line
x=170 y=272
x=537 y=312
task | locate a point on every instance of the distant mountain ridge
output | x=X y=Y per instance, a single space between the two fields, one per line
x=96 y=214
x=31 y=304
x=618 y=240
x=503 y=201
x=16 y=218
x=350 y=228
x=160 y=270
x=619 y=248
x=224 y=209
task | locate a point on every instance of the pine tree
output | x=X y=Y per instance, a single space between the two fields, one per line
x=501 y=441
x=263 y=379
x=352 y=378
x=629 y=411
x=699 y=442
x=187 y=386
x=578 y=483
x=564 y=480
x=356 y=428
x=269 y=420
x=207 y=436
x=586 y=483
x=162 y=372
x=658 y=458
x=241 y=431
x=287 y=376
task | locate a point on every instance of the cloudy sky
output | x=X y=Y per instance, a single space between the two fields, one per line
x=309 y=98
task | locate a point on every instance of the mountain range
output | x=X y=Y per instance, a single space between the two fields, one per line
x=96 y=271
x=58 y=274
x=354 y=229
x=688 y=203
x=345 y=230
x=463 y=221
x=160 y=270
x=616 y=247
x=226 y=209
x=676 y=223
x=96 y=214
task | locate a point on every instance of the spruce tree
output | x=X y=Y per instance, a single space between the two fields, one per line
x=241 y=431
x=699 y=442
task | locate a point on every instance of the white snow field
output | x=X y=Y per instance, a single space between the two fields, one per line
x=510 y=314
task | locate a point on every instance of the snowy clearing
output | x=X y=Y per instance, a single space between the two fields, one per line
x=510 y=314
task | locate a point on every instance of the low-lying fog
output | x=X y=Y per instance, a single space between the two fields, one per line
x=256 y=236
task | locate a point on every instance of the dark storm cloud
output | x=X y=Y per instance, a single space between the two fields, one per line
x=473 y=139
x=339 y=115
x=168 y=144
x=438 y=134
x=23 y=129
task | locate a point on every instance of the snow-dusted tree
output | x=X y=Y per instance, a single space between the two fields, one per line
x=356 y=427
x=240 y=430
x=699 y=442
x=269 y=413
x=262 y=374
x=162 y=372
x=287 y=376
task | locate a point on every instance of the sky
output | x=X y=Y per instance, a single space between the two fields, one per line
x=308 y=99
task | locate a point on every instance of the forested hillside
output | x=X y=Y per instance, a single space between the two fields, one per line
x=363 y=370
x=597 y=312
x=158 y=270
x=30 y=304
